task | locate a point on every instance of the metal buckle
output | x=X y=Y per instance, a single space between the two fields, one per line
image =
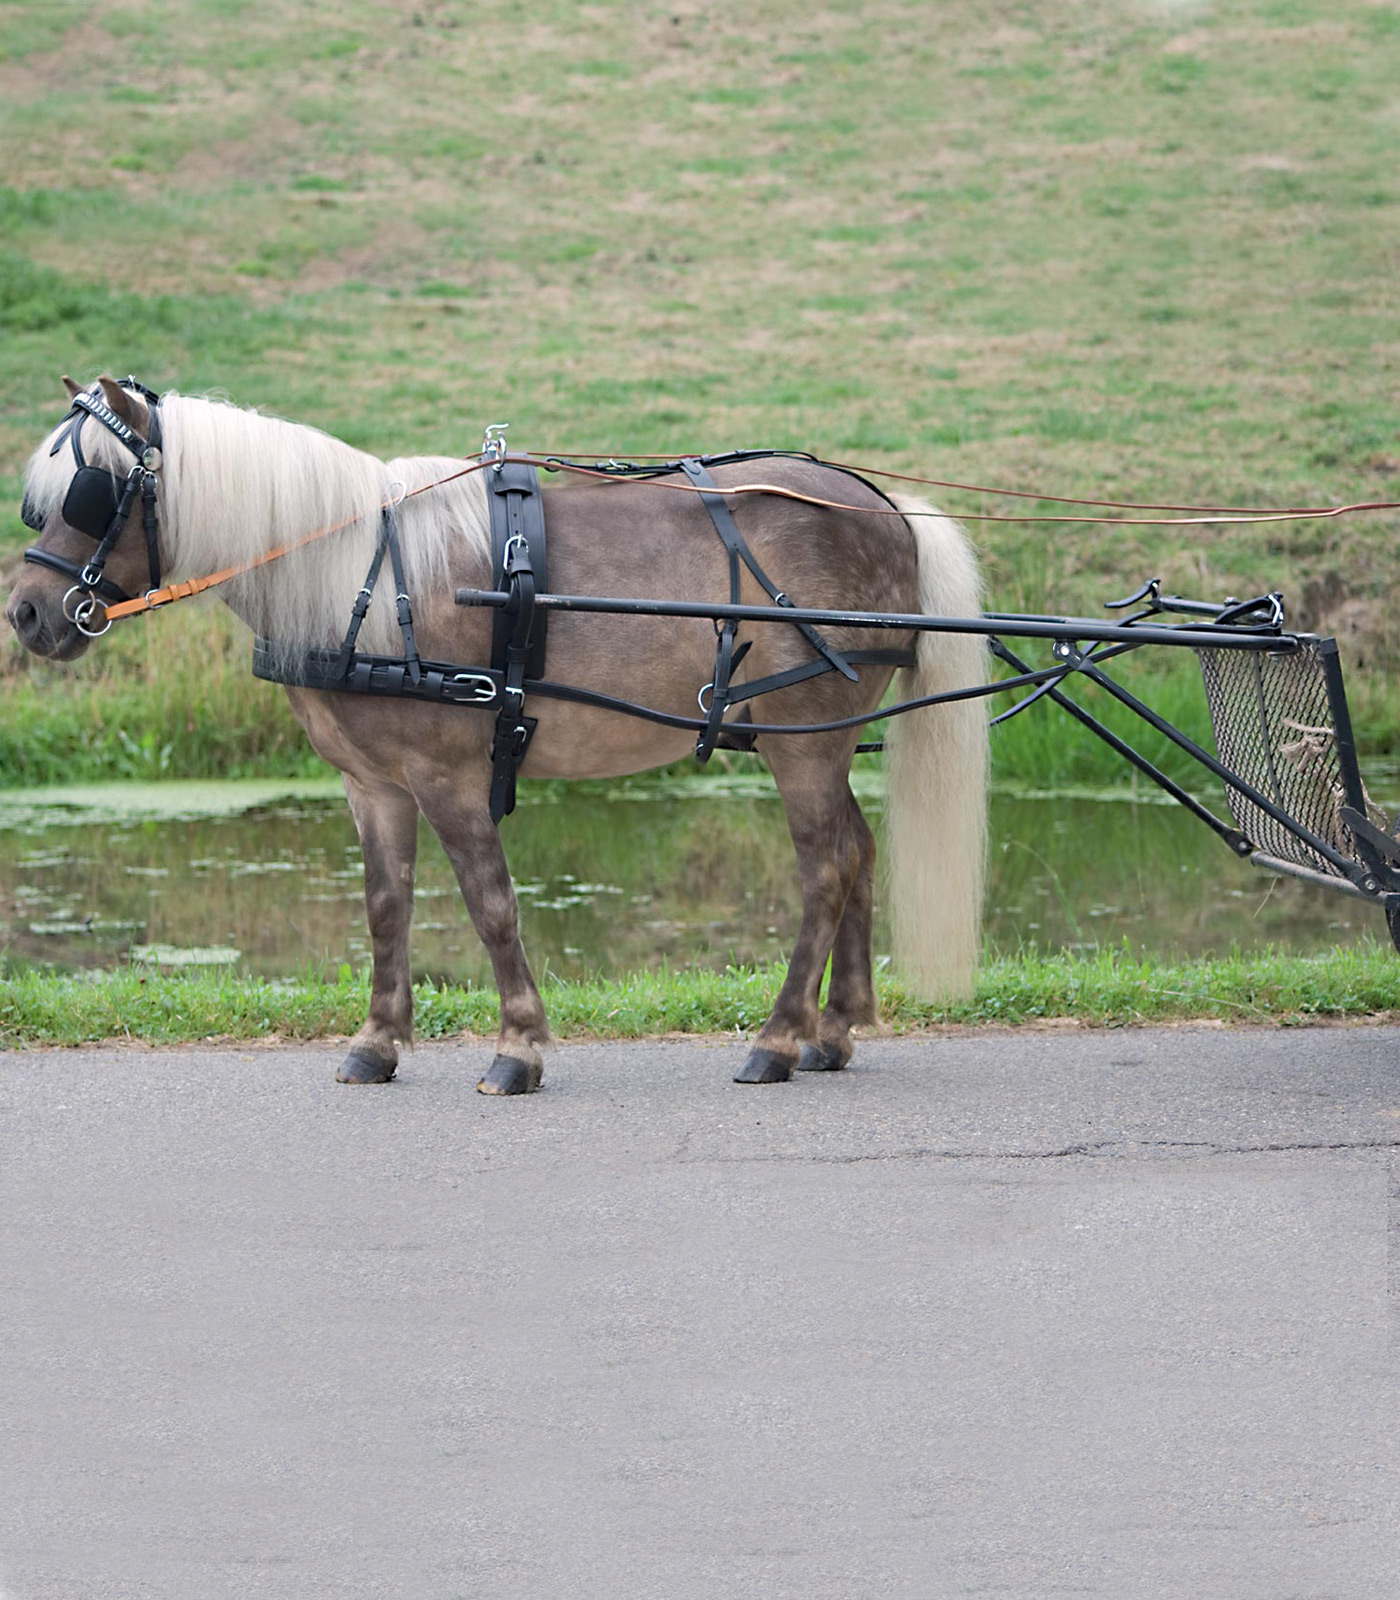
x=477 y=689
x=493 y=444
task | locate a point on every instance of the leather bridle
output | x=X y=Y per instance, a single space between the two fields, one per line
x=98 y=502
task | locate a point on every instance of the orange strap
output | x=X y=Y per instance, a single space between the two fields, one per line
x=185 y=591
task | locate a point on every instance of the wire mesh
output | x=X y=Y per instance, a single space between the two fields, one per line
x=1275 y=728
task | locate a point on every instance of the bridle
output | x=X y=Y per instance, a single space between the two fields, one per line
x=98 y=503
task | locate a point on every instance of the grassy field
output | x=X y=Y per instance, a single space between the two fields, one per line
x=1111 y=989
x=1139 y=249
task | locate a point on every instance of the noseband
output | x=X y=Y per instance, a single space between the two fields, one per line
x=98 y=503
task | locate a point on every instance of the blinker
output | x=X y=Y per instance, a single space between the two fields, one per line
x=91 y=502
x=96 y=502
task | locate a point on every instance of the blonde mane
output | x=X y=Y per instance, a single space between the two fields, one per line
x=236 y=484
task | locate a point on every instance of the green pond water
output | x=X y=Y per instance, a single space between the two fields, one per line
x=267 y=878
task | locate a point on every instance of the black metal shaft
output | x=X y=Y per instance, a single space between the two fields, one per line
x=1068 y=628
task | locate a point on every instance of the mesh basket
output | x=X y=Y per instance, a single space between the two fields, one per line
x=1276 y=716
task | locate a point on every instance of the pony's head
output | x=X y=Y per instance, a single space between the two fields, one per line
x=91 y=494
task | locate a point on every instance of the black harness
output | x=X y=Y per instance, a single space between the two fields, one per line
x=520 y=566
x=520 y=569
x=98 y=502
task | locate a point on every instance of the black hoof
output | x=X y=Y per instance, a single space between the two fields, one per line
x=506 y=1075
x=764 y=1066
x=822 y=1058
x=362 y=1067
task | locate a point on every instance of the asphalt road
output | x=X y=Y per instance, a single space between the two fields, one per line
x=1029 y=1315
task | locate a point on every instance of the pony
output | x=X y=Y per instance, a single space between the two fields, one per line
x=232 y=491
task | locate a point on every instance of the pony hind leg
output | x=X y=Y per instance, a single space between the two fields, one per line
x=386 y=819
x=819 y=807
x=850 y=999
x=473 y=846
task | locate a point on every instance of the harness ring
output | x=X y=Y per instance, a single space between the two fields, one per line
x=82 y=613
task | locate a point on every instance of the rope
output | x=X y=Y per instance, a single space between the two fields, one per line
x=1036 y=494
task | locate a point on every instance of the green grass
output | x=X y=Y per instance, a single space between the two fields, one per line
x=1109 y=989
x=1124 y=251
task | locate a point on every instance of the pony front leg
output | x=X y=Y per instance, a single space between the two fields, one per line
x=473 y=846
x=387 y=820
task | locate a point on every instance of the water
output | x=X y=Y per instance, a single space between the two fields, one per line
x=267 y=878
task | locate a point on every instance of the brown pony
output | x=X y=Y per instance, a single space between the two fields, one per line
x=230 y=485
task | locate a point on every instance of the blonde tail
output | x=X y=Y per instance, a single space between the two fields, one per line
x=936 y=817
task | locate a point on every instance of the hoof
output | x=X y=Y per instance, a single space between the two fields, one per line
x=506 y=1075
x=764 y=1066
x=362 y=1067
x=822 y=1058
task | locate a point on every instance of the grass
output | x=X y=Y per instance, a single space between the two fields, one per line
x=1125 y=251
x=1108 y=989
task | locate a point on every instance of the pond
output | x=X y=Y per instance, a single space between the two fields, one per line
x=267 y=878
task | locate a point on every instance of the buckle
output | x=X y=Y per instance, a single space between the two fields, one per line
x=469 y=689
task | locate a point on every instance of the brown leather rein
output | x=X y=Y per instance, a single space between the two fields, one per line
x=1200 y=516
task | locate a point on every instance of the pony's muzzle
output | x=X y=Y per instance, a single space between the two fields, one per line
x=42 y=626
x=23 y=617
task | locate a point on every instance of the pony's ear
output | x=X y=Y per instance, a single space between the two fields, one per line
x=73 y=390
x=129 y=407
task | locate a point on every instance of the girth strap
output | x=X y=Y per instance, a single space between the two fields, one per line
x=520 y=563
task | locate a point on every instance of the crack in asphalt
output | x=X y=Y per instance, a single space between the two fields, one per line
x=1112 y=1148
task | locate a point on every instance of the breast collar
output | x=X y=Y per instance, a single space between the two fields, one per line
x=98 y=503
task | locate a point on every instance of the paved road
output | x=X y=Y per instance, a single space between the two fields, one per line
x=1018 y=1315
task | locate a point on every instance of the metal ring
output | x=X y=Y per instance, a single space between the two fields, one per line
x=700 y=698
x=81 y=614
x=402 y=487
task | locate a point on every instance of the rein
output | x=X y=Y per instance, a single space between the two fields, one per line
x=98 y=503
x=1222 y=516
